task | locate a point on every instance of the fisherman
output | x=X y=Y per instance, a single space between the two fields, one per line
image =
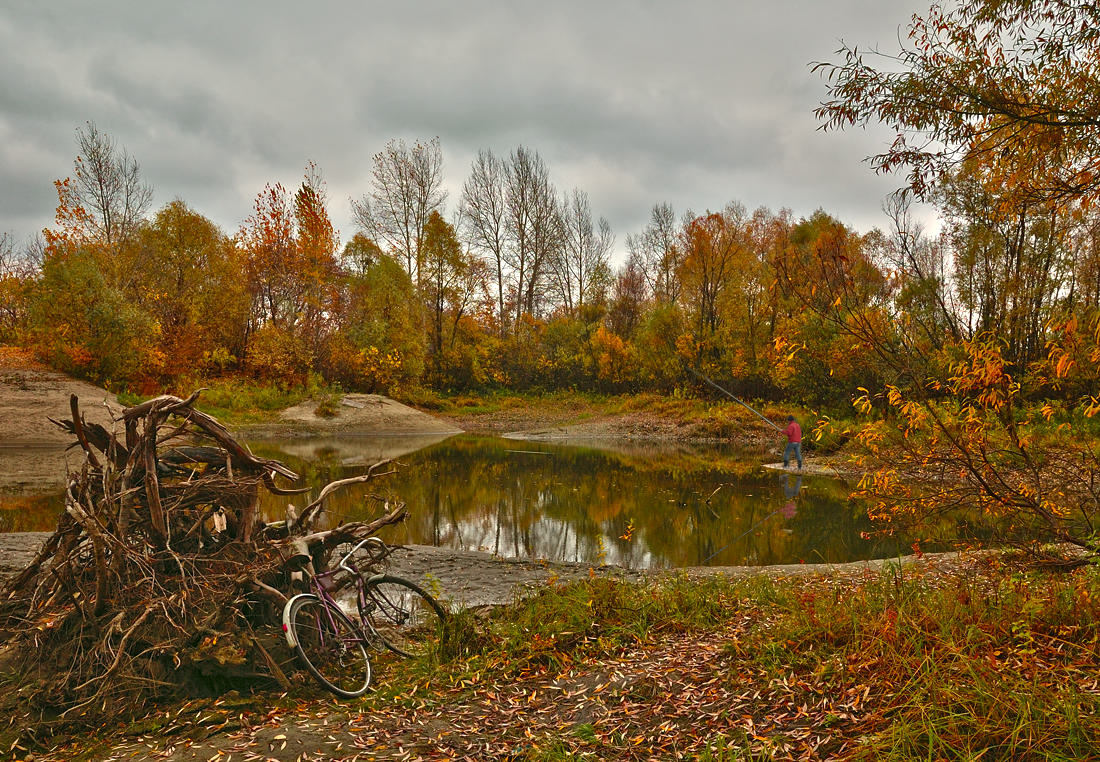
x=794 y=442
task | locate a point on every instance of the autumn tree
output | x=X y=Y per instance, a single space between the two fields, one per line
x=18 y=269
x=189 y=282
x=628 y=298
x=318 y=245
x=1015 y=83
x=291 y=262
x=360 y=253
x=100 y=207
x=79 y=323
x=378 y=343
x=1012 y=258
x=267 y=238
x=663 y=346
x=995 y=105
x=657 y=251
x=714 y=246
x=1084 y=287
x=751 y=300
x=406 y=187
x=79 y=316
x=834 y=333
x=443 y=264
x=923 y=273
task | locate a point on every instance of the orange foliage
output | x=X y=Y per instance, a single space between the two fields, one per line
x=613 y=358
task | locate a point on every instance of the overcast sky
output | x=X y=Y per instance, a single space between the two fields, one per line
x=691 y=102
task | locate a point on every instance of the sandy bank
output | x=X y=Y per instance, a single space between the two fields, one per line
x=355 y=415
x=35 y=454
x=472 y=578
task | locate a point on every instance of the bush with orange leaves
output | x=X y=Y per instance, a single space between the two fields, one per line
x=1005 y=450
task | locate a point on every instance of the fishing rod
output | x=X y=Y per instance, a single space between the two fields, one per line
x=701 y=377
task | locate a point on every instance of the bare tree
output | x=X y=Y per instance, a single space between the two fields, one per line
x=109 y=185
x=7 y=254
x=534 y=226
x=658 y=253
x=923 y=271
x=484 y=216
x=584 y=252
x=406 y=187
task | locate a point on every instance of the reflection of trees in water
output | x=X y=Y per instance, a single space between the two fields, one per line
x=34 y=513
x=483 y=494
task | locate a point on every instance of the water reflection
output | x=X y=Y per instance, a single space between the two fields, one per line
x=642 y=506
x=790 y=492
x=635 y=507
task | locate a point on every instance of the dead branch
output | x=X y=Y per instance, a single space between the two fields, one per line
x=162 y=543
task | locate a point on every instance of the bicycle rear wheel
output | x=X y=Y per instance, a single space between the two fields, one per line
x=329 y=646
x=408 y=620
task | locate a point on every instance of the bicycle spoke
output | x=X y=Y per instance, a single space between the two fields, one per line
x=330 y=646
x=408 y=620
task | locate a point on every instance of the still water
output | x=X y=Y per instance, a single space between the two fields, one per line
x=641 y=507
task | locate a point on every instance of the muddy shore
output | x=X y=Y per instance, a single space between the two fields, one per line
x=473 y=579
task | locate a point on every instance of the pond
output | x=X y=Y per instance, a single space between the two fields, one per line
x=637 y=506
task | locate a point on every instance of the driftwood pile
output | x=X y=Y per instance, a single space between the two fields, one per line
x=162 y=575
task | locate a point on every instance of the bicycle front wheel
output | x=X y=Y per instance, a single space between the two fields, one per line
x=408 y=620
x=329 y=646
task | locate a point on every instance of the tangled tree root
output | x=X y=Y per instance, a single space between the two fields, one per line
x=162 y=572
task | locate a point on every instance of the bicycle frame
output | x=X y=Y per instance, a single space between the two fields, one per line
x=319 y=585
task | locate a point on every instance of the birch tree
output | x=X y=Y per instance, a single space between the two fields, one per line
x=581 y=260
x=108 y=185
x=533 y=226
x=484 y=218
x=406 y=187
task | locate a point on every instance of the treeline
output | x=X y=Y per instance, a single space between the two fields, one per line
x=511 y=285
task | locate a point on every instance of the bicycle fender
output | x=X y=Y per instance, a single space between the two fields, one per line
x=286 y=618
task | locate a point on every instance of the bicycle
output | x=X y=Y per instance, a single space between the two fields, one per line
x=394 y=614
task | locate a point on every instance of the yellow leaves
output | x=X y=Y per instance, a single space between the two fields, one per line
x=863 y=403
x=893 y=396
x=1063 y=366
x=1092 y=407
x=613 y=357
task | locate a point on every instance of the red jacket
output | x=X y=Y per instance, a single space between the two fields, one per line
x=793 y=432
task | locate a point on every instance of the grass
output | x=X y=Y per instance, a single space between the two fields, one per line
x=984 y=666
x=979 y=661
x=993 y=664
x=706 y=417
x=239 y=401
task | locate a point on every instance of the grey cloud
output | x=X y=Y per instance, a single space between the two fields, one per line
x=694 y=103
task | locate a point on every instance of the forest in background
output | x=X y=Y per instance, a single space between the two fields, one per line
x=511 y=286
